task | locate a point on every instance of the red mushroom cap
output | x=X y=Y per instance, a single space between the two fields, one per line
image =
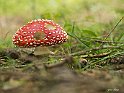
x=41 y=32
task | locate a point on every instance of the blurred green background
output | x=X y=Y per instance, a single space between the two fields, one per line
x=98 y=16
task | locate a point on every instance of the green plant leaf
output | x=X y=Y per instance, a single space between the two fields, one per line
x=89 y=33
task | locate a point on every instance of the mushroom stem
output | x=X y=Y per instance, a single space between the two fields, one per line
x=42 y=50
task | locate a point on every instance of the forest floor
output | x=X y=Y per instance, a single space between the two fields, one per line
x=28 y=74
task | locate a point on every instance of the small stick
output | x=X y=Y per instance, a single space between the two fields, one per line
x=101 y=41
x=97 y=55
x=93 y=49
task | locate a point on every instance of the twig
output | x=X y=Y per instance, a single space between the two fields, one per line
x=101 y=41
x=94 y=49
x=97 y=55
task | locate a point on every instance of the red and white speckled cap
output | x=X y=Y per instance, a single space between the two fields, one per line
x=41 y=32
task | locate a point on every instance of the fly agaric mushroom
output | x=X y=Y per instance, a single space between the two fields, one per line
x=41 y=32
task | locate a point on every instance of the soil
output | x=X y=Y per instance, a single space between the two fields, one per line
x=24 y=73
